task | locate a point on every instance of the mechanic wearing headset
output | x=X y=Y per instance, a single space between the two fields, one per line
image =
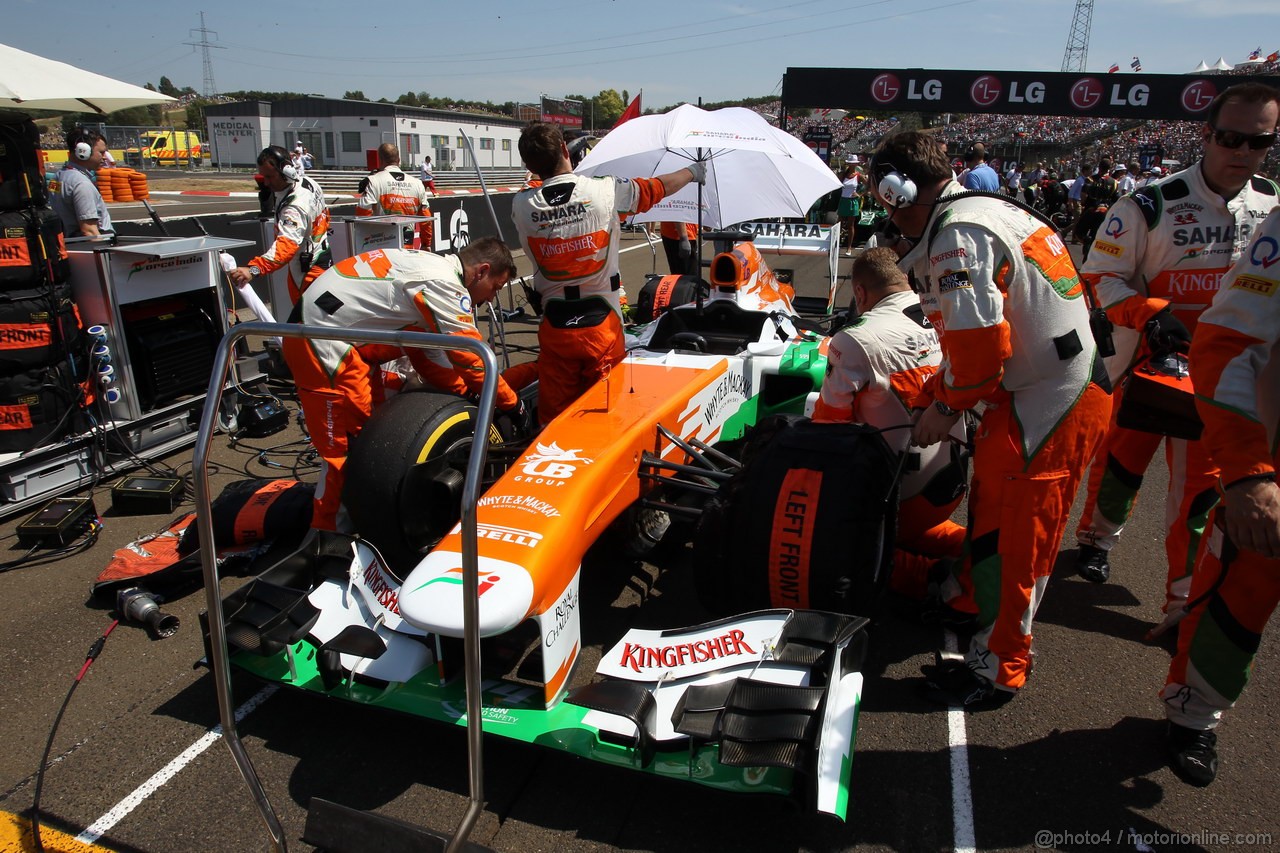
x=391 y=191
x=1235 y=366
x=1155 y=266
x=877 y=368
x=339 y=384
x=302 y=225
x=568 y=227
x=1000 y=288
x=77 y=201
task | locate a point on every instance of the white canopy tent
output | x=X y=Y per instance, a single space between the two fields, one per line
x=28 y=81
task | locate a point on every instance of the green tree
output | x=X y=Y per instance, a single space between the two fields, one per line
x=608 y=105
x=357 y=95
x=167 y=88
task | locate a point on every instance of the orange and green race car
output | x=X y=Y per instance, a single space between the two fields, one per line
x=764 y=701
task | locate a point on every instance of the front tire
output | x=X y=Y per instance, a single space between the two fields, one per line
x=404 y=475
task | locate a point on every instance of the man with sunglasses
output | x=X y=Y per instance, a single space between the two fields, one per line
x=1155 y=267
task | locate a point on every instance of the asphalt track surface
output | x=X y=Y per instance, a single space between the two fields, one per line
x=1073 y=763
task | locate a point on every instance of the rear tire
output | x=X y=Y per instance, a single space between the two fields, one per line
x=403 y=487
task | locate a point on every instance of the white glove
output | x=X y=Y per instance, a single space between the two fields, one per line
x=228 y=263
x=699 y=171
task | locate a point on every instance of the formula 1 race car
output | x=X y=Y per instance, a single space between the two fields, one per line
x=764 y=701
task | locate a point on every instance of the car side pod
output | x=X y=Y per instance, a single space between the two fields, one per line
x=774 y=690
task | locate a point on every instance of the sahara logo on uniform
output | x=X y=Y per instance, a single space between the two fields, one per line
x=550 y=465
x=954 y=281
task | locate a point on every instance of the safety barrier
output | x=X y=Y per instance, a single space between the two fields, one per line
x=345 y=182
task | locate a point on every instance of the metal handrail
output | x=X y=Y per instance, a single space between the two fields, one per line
x=219 y=657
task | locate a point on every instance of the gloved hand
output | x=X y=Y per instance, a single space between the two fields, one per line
x=519 y=420
x=1165 y=333
x=686 y=248
x=699 y=171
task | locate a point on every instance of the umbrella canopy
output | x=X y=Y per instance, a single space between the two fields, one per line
x=754 y=170
x=35 y=83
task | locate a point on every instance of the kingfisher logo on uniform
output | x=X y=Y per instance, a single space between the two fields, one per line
x=1187 y=283
x=1256 y=284
x=954 y=281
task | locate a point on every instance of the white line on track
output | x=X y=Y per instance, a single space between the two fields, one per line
x=965 y=840
x=121 y=809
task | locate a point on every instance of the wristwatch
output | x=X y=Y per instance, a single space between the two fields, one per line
x=255 y=270
x=945 y=409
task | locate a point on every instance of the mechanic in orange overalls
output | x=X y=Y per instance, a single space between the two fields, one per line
x=1156 y=265
x=568 y=227
x=337 y=382
x=1235 y=366
x=391 y=190
x=877 y=368
x=999 y=286
x=302 y=226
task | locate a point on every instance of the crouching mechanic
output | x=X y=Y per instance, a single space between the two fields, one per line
x=390 y=191
x=338 y=383
x=568 y=226
x=876 y=372
x=1235 y=367
x=998 y=285
x=302 y=225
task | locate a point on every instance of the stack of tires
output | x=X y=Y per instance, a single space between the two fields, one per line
x=43 y=356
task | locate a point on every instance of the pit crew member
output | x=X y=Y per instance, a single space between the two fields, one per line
x=338 y=384
x=998 y=285
x=78 y=203
x=391 y=191
x=302 y=226
x=1155 y=267
x=1235 y=366
x=568 y=227
x=877 y=368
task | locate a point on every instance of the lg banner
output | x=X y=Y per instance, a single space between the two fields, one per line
x=1135 y=96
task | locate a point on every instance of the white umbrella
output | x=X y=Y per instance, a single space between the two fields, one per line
x=35 y=83
x=754 y=170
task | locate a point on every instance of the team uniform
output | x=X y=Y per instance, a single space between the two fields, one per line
x=338 y=383
x=568 y=227
x=1167 y=244
x=1235 y=365
x=673 y=233
x=302 y=231
x=78 y=200
x=391 y=191
x=876 y=372
x=1000 y=289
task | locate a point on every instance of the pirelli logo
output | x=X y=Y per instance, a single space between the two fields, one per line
x=1256 y=284
x=1108 y=248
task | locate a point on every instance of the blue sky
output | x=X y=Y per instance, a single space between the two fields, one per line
x=502 y=50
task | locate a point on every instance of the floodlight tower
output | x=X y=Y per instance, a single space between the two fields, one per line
x=210 y=88
x=1073 y=59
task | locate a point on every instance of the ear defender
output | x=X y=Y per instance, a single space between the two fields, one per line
x=897 y=189
x=83 y=151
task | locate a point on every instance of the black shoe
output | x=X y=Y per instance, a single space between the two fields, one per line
x=1092 y=564
x=1192 y=754
x=953 y=683
x=933 y=611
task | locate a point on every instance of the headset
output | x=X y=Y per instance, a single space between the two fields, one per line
x=82 y=147
x=281 y=160
x=895 y=188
